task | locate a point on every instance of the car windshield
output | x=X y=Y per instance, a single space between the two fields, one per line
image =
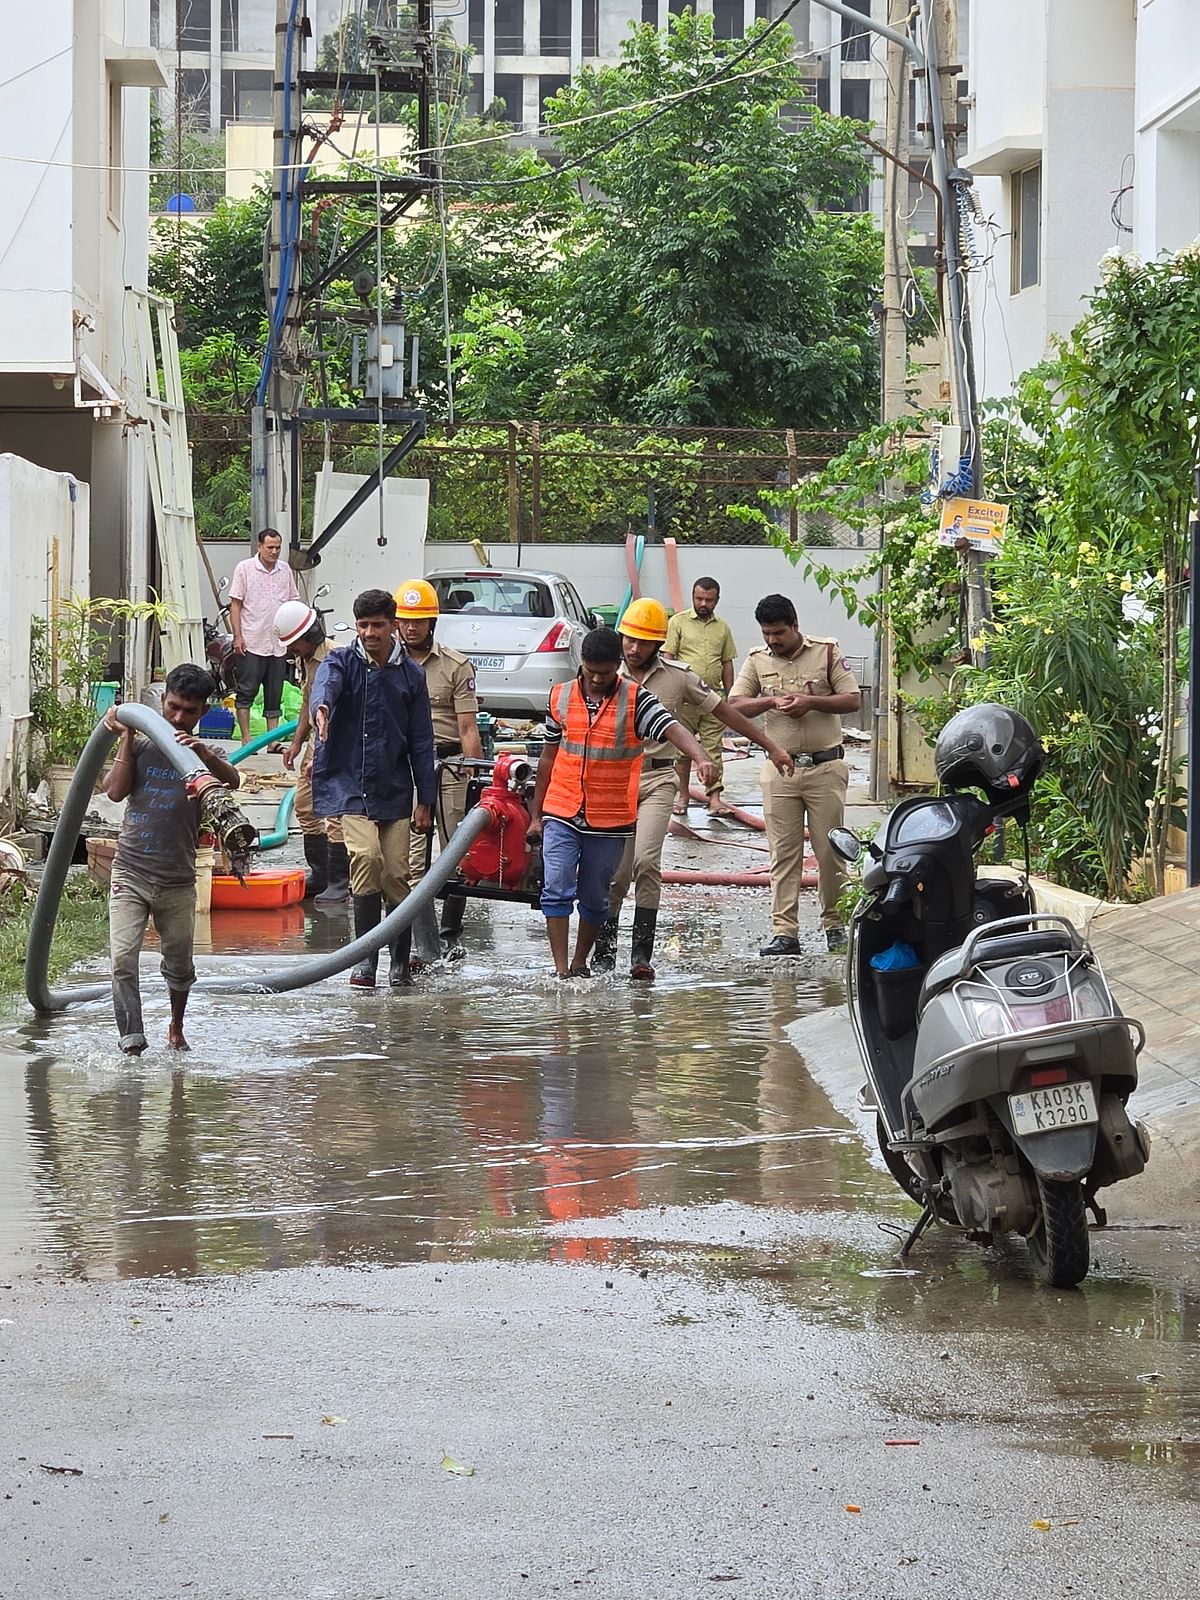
x=493 y=595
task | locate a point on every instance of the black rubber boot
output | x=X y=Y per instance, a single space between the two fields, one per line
x=604 y=951
x=454 y=909
x=316 y=854
x=400 y=977
x=337 y=890
x=642 y=952
x=368 y=911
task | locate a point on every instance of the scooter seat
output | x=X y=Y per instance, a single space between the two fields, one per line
x=957 y=963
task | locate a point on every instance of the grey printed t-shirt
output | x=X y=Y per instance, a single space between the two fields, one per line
x=161 y=826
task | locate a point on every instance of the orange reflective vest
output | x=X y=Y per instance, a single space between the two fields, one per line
x=599 y=763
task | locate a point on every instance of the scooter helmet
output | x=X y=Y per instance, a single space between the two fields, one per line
x=293 y=619
x=415 y=598
x=644 y=619
x=992 y=748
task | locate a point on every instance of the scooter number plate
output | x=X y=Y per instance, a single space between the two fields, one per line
x=1066 y=1105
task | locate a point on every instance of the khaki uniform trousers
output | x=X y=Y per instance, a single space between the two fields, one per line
x=641 y=863
x=710 y=733
x=309 y=823
x=818 y=794
x=378 y=857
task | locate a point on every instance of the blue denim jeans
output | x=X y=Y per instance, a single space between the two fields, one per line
x=577 y=866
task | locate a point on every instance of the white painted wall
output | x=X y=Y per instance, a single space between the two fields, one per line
x=44 y=518
x=1166 y=197
x=1053 y=80
x=35 y=196
x=598 y=573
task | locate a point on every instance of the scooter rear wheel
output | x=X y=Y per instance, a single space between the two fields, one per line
x=1059 y=1243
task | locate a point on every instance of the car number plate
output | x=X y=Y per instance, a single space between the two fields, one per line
x=488 y=661
x=1065 y=1105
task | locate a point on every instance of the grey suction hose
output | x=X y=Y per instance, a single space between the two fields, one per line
x=297 y=975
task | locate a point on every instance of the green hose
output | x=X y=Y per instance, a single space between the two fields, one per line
x=287 y=803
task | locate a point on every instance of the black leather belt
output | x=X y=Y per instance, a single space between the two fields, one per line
x=656 y=762
x=814 y=758
x=450 y=748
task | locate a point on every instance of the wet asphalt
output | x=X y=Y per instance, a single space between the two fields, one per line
x=509 y=1287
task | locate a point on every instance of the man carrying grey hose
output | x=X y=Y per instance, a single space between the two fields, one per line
x=154 y=869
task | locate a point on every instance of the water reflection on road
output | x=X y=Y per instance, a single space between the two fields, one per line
x=496 y=1114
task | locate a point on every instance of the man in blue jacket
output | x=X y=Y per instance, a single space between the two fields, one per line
x=374 y=756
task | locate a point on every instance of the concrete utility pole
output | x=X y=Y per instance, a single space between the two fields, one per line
x=893 y=388
x=270 y=465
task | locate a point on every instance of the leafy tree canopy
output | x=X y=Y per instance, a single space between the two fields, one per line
x=695 y=266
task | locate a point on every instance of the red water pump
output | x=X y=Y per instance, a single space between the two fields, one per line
x=500 y=855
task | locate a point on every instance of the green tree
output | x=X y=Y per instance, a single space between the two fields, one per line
x=713 y=276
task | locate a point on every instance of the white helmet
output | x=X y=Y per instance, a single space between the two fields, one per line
x=292 y=621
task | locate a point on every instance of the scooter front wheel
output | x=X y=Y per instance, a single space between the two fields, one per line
x=1059 y=1242
x=897 y=1165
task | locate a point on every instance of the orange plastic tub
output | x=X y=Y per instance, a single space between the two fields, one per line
x=264 y=891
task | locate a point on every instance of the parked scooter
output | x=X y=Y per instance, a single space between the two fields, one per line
x=218 y=646
x=998 y=1063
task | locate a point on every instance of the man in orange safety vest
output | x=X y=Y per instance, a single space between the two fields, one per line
x=585 y=798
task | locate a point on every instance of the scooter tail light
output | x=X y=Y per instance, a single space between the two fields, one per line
x=1047 y=1076
x=559 y=638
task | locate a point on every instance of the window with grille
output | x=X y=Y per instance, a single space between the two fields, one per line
x=193 y=25
x=510 y=89
x=727 y=19
x=510 y=27
x=591 y=27
x=856 y=39
x=555 y=31
x=1026 y=227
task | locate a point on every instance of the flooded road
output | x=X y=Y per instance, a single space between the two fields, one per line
x=636 y=1198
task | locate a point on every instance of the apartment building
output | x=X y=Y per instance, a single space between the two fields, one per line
x=1052 y=148
x=220 y=53
x=1165 y=211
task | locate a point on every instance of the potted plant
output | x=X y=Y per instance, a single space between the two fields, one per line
x=68 y=663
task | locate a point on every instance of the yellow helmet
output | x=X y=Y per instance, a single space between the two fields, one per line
x=644 y=619
x=416 y=598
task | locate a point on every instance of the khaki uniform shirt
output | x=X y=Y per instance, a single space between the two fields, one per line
x=705 y=646
x=809 y=671
x=308 y=671
x=450 y=679
x=675 y=686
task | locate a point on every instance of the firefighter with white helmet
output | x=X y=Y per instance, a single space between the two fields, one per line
x=450 y=679
x=300 y=631
x=643 y=628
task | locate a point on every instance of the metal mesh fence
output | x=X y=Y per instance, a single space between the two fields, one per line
x=548 y=483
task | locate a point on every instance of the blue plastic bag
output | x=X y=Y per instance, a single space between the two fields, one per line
x=895 y=958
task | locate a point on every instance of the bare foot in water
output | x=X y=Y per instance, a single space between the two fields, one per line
x=175 y=1039
x=133 y=1049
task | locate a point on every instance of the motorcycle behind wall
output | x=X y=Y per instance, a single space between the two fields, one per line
x=998 y=1064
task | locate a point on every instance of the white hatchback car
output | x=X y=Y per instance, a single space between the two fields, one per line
x=523 y=630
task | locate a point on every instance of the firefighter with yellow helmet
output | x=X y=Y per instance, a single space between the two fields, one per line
x=643 y=629
x=450 y=678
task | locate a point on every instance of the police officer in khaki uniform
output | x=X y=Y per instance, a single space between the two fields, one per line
x=801 y=685
x=704 y=642
x=301 y=632
x=677 y=687
x=450 y=679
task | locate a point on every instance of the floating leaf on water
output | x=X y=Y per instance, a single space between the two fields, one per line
x=331 y=1421
x=1149 y=1377
x=458 y=1468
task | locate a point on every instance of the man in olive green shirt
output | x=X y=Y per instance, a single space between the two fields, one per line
x=702 y=641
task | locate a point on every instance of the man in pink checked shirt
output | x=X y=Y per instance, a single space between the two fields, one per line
x=260 y=586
